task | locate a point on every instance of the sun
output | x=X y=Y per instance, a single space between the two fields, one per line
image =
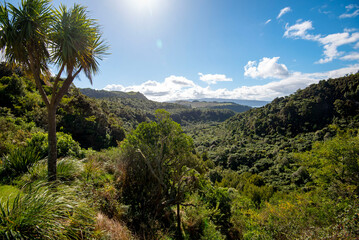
x=145 y=5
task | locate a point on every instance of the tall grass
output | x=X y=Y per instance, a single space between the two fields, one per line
x=68 y=169
x=19 y=161
x=112 y=229
x=46 y=212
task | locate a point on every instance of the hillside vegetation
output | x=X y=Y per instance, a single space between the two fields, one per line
x=262 y=140
x=126 y=170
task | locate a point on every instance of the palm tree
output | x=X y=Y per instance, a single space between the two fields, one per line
x=35 y=35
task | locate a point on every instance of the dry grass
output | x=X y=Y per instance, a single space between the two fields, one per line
x=113 y=229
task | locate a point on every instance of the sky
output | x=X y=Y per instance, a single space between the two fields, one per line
x=234 y=49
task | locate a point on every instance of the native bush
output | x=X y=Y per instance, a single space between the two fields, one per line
x=66 y=146
x=60 y=214
x=19 y=161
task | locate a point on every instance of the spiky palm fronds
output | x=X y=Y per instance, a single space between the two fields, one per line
x=76 y=41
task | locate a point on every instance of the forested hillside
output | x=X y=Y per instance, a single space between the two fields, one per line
x=111 y=94
x=95 y=123
x=287 y=170
x=262 y=140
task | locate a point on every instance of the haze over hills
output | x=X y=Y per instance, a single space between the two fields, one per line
x=245 y=102
x=214 y=105
x=199 y=104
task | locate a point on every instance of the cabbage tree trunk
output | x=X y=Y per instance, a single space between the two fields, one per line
x=52 y=157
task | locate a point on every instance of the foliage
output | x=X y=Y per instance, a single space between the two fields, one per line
x=66 y=146
x=262 y=140
x=197 y=220
x=256 y=176
x=88 y=123
x=159 y=170
x=13 y=132
x=34 y=36
x=69 y=169
x=334 y=164
x=8 y=191
x=19 y=161
x=60 y=214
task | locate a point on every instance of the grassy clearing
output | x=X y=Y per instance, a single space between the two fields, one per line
x=8 y=191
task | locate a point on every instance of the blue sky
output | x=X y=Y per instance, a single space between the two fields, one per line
x=187 y=49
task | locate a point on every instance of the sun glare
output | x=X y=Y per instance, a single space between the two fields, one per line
x=145 y=5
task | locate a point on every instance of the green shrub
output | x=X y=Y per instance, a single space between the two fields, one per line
x=19 y=161
x=197 y=221
x=45 y=212
x=66 y=146
x=13 y=131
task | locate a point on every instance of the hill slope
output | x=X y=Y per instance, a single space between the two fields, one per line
x=262 y=140
x=110 y=94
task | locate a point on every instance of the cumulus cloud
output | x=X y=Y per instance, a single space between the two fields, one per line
x=214 y=78
x=169 y=90
x=156 y=89
x=330 y=42
x=266 y=68
x=352 y=10
x=268 y=21
x=283 y=11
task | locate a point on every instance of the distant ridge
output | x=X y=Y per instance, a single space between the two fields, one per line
x=251 y=103
x=215 y=105
x=111 y=94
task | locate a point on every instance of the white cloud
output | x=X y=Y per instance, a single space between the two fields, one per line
x=163 y=91
x=283 y=11
x=156 y=89
x=178 y=82
x=299 y=30
x=214 y=78
x=351 y=29
x=330 y=42
x=349 y=14
x=333 y=41
x=266 y=68
x=351 y=56
x=268 y=21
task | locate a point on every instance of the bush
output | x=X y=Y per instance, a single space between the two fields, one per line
x=60 y=214
x=66 y=146
x=19 y=161
x=197 y=221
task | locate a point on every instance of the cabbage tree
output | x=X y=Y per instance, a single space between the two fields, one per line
x=37 y=37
